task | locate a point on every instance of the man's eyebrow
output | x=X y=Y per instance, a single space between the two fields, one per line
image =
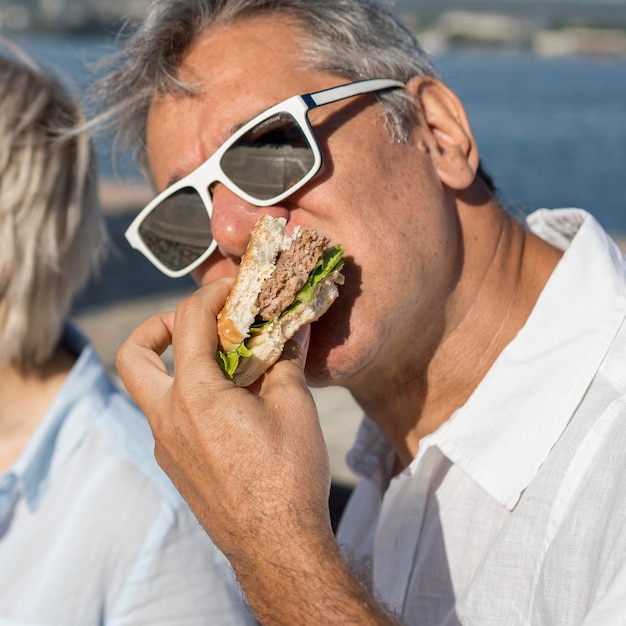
x=175 y=178
x=235 y=127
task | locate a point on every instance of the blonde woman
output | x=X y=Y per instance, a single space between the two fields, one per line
x=91 y=531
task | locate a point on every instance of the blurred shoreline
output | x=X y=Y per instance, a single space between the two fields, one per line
x=549 y=27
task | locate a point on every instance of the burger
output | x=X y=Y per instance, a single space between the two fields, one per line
x=283 y=283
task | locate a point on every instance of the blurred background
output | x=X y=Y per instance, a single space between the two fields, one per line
x=544 y=84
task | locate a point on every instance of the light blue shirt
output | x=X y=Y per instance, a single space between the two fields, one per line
x=92 y=532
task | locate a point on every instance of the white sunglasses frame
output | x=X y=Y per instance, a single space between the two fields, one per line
x=210 y=172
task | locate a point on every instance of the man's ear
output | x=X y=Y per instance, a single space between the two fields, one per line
x=448 y=132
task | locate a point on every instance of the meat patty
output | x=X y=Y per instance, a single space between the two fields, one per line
x=292 y=271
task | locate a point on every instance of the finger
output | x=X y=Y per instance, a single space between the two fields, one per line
x=194 y=338
x=138 y=359
x=296 y=349
x=288 y=371
x=286 y=390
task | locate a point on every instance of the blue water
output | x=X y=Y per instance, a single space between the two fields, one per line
x=551 y=131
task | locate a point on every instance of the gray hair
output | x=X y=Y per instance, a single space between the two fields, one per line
x=52 y=232
x=358 y=39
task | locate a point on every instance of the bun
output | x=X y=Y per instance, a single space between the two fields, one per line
x=258 y=267
x=268 y=345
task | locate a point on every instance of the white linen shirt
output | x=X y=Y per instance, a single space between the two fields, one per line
x=514 y=510
x=92 y=532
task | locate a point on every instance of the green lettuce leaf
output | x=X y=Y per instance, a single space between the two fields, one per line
x=330 y=260
x=229 y=361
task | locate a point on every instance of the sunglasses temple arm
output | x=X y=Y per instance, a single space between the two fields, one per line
x=341 y=92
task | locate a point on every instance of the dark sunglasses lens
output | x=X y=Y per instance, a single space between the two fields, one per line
x=178 y=230
x=270 y=158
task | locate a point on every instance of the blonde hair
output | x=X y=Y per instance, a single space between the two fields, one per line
x=52 y=232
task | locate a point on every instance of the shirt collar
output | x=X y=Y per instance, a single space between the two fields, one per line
x=501 y=438
x=371 y=456
x=67 y=420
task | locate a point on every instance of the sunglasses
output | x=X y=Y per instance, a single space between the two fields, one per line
x=264 y=162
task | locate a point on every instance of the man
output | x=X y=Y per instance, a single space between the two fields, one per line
x=487 y=354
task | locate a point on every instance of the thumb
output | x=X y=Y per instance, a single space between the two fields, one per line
x=289 y=369
x=297 y=348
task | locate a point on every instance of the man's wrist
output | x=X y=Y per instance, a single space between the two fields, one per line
x=313 y=585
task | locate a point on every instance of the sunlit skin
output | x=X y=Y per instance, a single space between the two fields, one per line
x=410 y=295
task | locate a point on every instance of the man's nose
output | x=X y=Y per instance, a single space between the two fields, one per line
x=233 y=220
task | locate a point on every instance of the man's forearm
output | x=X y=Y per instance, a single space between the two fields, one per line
x=321 y=589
